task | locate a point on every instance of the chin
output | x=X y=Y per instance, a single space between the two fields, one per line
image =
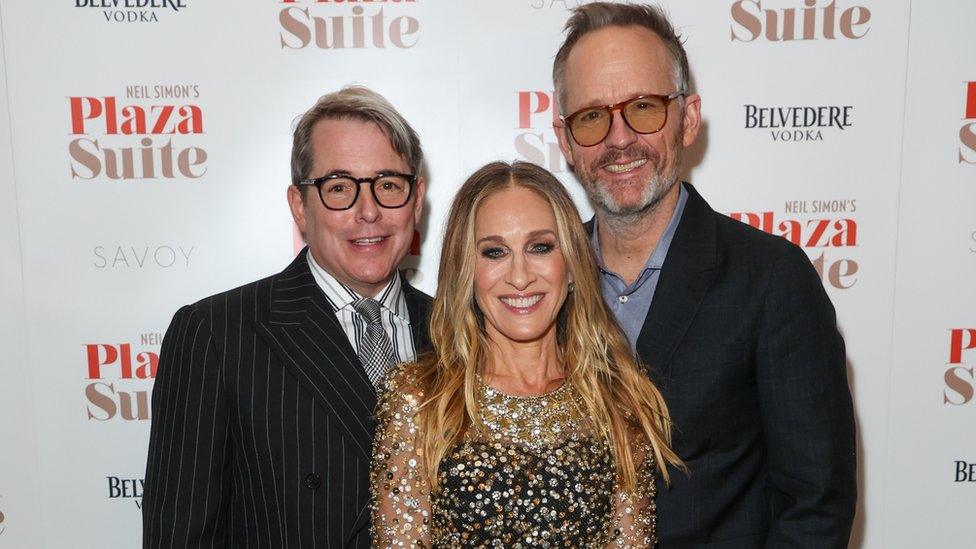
x=526 y=335
x=377 y=278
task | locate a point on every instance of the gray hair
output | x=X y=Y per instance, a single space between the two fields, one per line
x=353 y=103
x=592 y=17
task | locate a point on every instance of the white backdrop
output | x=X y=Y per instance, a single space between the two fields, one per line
x=95 y=264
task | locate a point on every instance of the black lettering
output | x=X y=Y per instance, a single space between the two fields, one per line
x=113 y=487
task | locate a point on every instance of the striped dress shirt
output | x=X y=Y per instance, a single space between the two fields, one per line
x=394 y=314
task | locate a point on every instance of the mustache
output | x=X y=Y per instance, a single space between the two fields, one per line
x=636 y=150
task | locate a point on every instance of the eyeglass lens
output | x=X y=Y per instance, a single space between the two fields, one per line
x=390 y=191
x=643 y=115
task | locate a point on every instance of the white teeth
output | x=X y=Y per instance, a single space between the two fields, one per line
x=620 y=168
x=521 y=302
x=364 y=241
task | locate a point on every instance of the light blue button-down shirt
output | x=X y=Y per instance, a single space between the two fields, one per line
x=631 y=303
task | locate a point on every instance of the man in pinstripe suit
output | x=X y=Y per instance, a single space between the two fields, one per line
x=263 y=404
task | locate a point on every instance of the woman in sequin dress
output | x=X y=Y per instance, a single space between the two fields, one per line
x=530 y=425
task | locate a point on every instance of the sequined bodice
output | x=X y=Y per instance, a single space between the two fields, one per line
x=533 y=474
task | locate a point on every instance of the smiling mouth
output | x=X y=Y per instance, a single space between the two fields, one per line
x=621 y=168
x=368 y=241
x=522 y=304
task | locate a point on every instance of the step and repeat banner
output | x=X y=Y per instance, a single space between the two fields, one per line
x=147 y=160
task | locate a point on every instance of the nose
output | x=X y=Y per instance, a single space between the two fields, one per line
x=621 y=135
x=367 y=210
x=520 y=274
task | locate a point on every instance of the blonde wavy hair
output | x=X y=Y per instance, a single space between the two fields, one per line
x=618 y=396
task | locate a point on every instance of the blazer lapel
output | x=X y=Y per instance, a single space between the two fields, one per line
x=305 y=335
x=688 y=272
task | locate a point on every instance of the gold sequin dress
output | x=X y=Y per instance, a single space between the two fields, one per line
x=534 y=476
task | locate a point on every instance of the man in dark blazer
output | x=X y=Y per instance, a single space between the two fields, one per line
x=732 y=324
x=262 y=411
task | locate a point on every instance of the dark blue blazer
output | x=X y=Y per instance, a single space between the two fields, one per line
x=743 y=342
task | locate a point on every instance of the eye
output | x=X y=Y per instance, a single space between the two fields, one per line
x=542 y=248
x=391 y=184
x=338 y=187
x=494 y=252
x=641 y=105
x=589 y=117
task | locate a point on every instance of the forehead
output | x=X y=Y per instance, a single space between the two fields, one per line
x=514 y=210
x=356 y=146
x=614 y=64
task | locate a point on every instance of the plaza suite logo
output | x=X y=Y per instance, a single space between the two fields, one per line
x=126 y=489
x=535 y=140
x=146 y=133
x=967 y=133
x=792 y=123
x=132 y=11
x=825 y=228
x=960 y=371
x=143 y=257
x=798 y=20
x=119 y=378
x=348 y=24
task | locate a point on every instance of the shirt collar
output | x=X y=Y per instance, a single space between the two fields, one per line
x=660 y=253
x=340 y=296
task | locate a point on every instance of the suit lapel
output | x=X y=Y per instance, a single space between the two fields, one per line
x=686 y=275
x=306 y=337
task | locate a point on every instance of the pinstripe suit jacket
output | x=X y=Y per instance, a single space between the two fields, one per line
x=262 y=421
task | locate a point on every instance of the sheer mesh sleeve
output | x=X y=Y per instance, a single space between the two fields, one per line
x=635 y=513
x=398 y=478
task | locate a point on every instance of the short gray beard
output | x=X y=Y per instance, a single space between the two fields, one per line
x=619 y=217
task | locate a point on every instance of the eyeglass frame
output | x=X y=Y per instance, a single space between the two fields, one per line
x=318 y=181
x=619 y=106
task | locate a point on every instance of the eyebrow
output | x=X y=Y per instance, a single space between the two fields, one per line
x=347 y=173
x=598 y=103
x=534 y=234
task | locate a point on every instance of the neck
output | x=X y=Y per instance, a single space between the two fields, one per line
x=627 y=242
x=524 y=368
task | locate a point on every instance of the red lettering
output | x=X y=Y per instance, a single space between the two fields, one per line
x=162 y=117
x=960 y=339
x=970 y=99
x=818 y=231
x=846 y=234
x=134 y=118
x=100 y=354
x=792 y=231
x=763 y=223
x=815 y=233
x=527 y=107
x=191 y=121
x=96 y=361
